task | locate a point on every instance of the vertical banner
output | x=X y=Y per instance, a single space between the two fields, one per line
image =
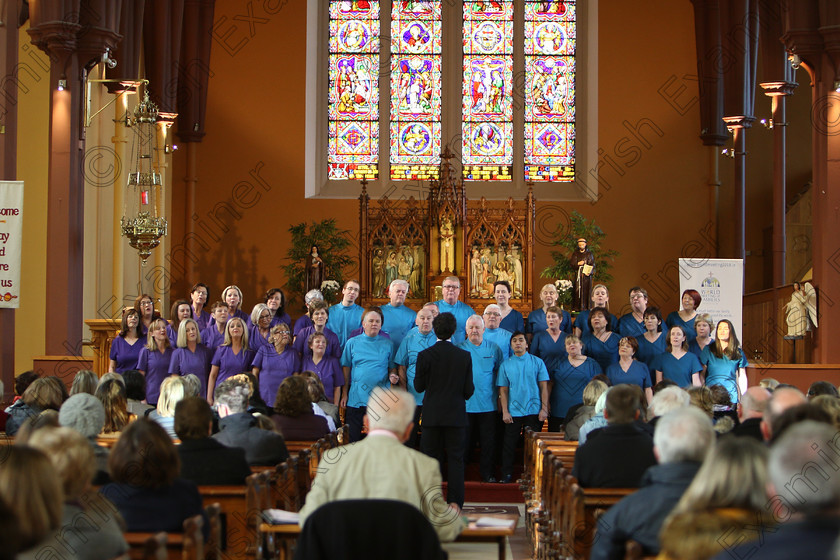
x=720 y=283
x=11 y=233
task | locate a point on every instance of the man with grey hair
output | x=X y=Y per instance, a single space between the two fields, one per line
x=493 y=332
x=666 y=400
x=451 y=304
x=804 y=497
x=753 y=404
x=238 y=428
x=397 y=318
x=682 y=439
x=381 y=467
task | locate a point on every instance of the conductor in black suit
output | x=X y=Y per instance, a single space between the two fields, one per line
x=444 y=372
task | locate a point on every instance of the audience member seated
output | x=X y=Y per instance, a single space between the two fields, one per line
x=100 y=535
x=796 y=414
x=593 y=390
x=47 y=419
x=85 y=414
x=831 y=405
x=112 y=396
x=682 y=440
x=318 y=396
x=204 y=460
x=769 y=383
x=238 y=428
x=380 y=466
x=32 y=490
x=597 y=421
x=618 y=455
x=782 y=399
x=701 y=397
x=45 y=393
x=725 y=505
x=192 y=386
x=665 y=400
x=753 y=404
x=293 y=416
x=84 y=382
x=818 y=388
x=22 y=382
x=808 y=510
x=171 y=391
x=146 y=489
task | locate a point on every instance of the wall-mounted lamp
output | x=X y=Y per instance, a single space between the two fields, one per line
x=767 y=123
x=62 y=85
x=728 y=152
x=167 y=149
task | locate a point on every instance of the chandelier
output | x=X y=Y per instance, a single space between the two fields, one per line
x=142 y=222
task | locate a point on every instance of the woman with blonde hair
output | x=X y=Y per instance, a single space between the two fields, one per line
x=112 y=396
x=31 y=489
x=724 y=503
x=600 y=297
x=260 y=327
x=154 y=359
x=191 y=356
x=536 y=319
x=591 y=393
x=232 y=357
x=703 y=325
x=172 y=390
x=232 y=296
x=73 y=458
x=84 y=382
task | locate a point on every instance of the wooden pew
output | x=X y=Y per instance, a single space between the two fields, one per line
x=232 y=501
x=584 y=507
x=188 y=545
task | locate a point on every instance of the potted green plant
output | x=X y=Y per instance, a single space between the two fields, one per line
x=332 y=243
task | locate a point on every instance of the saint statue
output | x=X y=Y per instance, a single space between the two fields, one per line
x=583 y=263
x=314 y=270
x=378 y=265
x=447 y=246
x=801 y=310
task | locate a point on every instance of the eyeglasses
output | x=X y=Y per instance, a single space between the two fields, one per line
x=349 y=289
x=451 y=287
x=637 y=296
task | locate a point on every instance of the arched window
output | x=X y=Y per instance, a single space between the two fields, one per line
x=510 y=87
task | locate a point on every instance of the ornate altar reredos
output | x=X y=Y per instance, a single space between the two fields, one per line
x=423 y=242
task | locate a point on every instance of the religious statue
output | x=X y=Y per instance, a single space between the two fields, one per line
x=391 y=267
x=475 y=273
x=378 y=265
x=447 y=246
x=583 y=263
x=801 y=310
x=314 y=270
x=515 y=271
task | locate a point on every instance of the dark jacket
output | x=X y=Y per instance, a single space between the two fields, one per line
x=261 y=446
x=207 y=462
x=751 y=427
x=640 y=515
x=305 y=427
x=614 y=457
x=813 y=537
x=444 y=372
x=18 y=413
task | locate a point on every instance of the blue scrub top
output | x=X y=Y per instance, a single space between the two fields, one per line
x=605 y=353
x=369 y=359
x=637 y=374
x=343 y=319
x=398 y=321
x=569 y=382
x=502 y=339
x=673 y=319
x=536 y=322
x=582 y=322
x=522 y=374
x=462 y=312
x=722 y=371
x=513 y=322
x=648 y=351
x=486 y=359
x=545 y=348
x=414 y=343
x=628 y=326
x=678 y=371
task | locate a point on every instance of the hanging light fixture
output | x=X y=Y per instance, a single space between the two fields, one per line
x=142 y=223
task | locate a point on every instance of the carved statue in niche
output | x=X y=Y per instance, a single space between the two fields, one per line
x=314 y=270
x=447 y=245
x=515 y=270
x=475 y=272
x=378 y=273
x=391 y=267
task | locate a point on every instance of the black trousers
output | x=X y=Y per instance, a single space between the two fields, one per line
x=354 y=416
x=485 y=424
x=434 y=440
x=512 y=435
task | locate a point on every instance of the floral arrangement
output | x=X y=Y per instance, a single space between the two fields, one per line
x=564 y=291
x=330 y=289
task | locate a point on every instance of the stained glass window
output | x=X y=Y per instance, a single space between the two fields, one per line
x=487 y=112
x=550 y=90
x=353 y=106
x=415 y=128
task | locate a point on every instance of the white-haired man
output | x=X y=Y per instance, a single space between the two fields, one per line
x=682 y=440
x=398 y=318
x=451 y=304
x=380 y=466
x=493 y=330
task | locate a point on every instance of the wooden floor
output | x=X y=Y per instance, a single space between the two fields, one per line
x=517 y=545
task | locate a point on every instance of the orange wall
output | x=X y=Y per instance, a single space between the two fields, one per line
x=655 y=211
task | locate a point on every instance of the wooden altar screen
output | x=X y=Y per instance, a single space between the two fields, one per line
x=423 y=242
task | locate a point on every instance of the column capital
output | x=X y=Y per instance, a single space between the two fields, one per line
x=773 y=89
x=740 y=121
